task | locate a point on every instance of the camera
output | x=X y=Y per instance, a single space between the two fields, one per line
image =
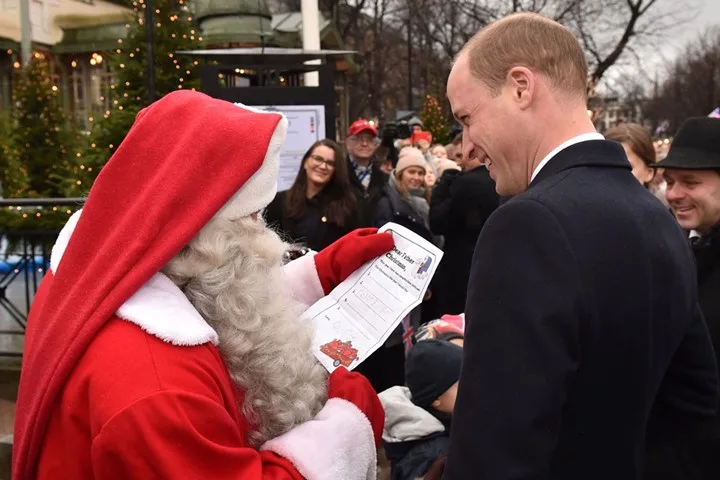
x=392 y=131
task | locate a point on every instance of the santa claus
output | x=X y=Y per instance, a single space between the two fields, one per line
x=166 y=340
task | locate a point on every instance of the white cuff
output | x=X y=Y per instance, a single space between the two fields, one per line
x=337 y=444
x=302 y=280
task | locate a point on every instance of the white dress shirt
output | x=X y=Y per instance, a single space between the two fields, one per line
x=580 y=138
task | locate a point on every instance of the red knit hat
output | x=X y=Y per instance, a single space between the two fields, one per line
x=186 y=158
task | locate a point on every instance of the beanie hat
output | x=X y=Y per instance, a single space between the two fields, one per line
x=410 y=157
x=415 y=121
x=186 y=159
x=431 y=368
x=444 y=164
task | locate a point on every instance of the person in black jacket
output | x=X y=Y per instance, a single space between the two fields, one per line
x=461 y=203
x=692 y=174
x=320 y=207
x=582 y=310
x=365 y=172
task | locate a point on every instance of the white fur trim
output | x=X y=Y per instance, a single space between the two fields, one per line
x=302 y=279
x=260 y=189
x=159 y=307
x=337 y=444
x=61 y=243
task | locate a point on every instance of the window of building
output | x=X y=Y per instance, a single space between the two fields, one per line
x=90 y=90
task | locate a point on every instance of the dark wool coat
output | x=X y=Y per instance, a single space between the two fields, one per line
x=313 y=229
x=685 y=447
x=460 y=205
x=369 y=197
x=582 y=312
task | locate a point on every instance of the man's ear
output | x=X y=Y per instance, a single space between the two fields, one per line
x=521 y=82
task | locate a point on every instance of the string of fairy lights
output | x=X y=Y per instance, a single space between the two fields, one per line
x=134 y=54
x=124 y=90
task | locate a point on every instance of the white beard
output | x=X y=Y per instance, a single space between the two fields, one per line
x=231 y=272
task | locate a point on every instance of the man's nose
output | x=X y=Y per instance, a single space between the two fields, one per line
x=674 y=193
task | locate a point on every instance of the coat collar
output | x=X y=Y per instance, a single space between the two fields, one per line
x=591 y=153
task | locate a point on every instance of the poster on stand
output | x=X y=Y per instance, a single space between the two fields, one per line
x=306 y=125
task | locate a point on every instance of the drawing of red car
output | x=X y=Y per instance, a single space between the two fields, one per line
x=341 y=352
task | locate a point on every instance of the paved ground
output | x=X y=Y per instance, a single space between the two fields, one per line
x=9 y=378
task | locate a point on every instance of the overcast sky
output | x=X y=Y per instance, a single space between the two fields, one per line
x=655 y=58
x=707 y=14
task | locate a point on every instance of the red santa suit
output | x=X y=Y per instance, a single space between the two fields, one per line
x=122 y=377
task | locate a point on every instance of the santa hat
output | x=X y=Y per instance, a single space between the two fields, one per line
x=187 y=158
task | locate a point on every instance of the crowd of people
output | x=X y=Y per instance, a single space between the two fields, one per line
x=443 y=201
x=571 y=331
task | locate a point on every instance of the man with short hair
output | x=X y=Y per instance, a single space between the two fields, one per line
x=582 y=304
x=692 y=173
x=366 y=173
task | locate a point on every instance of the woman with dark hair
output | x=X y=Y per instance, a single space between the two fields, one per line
x=640 y=151
x=320 y=207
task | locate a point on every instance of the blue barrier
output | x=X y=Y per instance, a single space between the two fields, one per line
x=15 y=262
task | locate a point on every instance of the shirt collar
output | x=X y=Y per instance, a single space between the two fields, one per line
x=580 y=138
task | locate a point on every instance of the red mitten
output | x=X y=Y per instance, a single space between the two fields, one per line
x=337 y=261
x=357 y=390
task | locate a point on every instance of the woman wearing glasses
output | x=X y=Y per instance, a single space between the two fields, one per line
x=320 y=207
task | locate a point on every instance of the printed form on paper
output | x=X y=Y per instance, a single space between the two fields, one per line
x=358 y=316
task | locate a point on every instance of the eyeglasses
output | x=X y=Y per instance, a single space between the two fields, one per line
x=370 y=140
x=320 y=160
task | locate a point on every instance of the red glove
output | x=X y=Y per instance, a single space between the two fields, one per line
x=357 y=390
x=337 y=261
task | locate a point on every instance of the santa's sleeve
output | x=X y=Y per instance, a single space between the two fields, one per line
x=181 y=435
x=302 y=280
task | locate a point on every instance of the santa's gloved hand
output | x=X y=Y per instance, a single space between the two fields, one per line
x=356 y=389
x=340 y=259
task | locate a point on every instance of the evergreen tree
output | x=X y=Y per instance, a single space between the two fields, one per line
x=40 y=146
x=13 y=176
x=434 y=120
x=174 y=31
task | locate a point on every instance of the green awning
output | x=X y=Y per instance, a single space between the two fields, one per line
x=91 y=39
x=236 y=29
x=7 y=44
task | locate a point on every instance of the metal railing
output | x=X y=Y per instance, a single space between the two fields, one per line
x=24 y=258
